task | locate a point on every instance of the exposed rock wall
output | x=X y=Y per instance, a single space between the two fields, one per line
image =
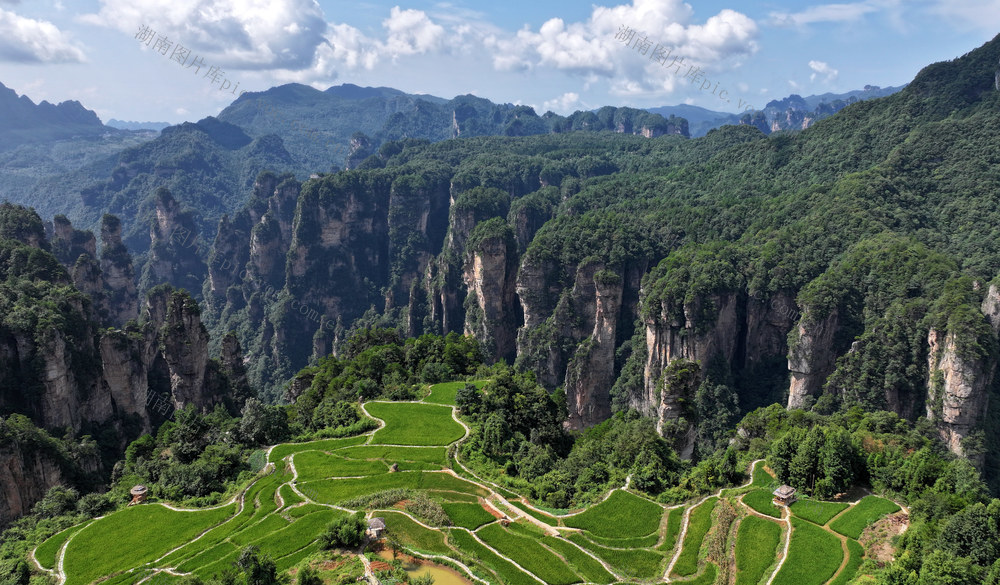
x=25 y=476
x=591 y=373
x=811 y=357
x=958 y=390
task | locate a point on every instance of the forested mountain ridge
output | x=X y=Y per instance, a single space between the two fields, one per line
x=611 y=265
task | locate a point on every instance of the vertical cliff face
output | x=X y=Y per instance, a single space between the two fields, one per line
x=184 y=342
x=25 y=476
x=958 y=390
x=173 y=256
x=591 y=372
x=118 y=273
x=811 y=357
x=271 y=237
x=691 y=338
x=490 y=276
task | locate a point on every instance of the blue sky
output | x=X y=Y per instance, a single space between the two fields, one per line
x=558 y=55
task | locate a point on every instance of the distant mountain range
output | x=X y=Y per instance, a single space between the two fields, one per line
x=791 y=113
x=210 y=166
x=130 y=125
x=24 y=122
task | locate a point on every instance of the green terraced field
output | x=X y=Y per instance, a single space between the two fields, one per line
x=151 y=531
x=507 y=572
x=445 y=393
x=412 y=534
x=529 y=553
x=813 y=556
x=757 y=543
x=433 y=455
x=286 y=449
x=409 y=423
x=313 y=465
x=761 y=478
x=763 y=502
x=699 y=523
x=628 y=534
x=852 y=522
x=815 y=511
x=46 y=552
x=585 y=565
x=638 y=563
x=622 y=515
x=856 y=555
x=469 y=516
x=674 y=519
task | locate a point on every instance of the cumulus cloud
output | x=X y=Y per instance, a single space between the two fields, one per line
x=411 y=32
x=590 y=48
x=823 y=13
x=25 y=40
x=821 y=68
x=246 y=34
x=567 y=103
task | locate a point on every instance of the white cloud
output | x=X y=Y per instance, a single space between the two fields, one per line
x=564 y=104
x=821 y=68
x=243 y=34
x=823 y=13
x=591 y=49
x=25 y=40
x=411 y=32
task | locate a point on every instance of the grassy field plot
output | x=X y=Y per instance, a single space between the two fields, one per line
x=699 y=522
x=813 y=556
x=469 y=516
x=674 y=519
x=707 y=576
x=313 y=465
x=761 y=478
x=435 y=455
x=297 y=535
x=637 y=563
x=762 y=501
x=865 y=512
x=149 y=530
x=445 y=393
x=529 y=554
x=856 y=554
x=508 y=573
x=281 y=451
x=46 y=552
x=208 y=556
x=816 y=511
x=288 y=495
x=332 y=491
x=757 y=543
x=647 y=541
x=622 y=515
x=408 y=423
x=412 y=534
x=585 y=565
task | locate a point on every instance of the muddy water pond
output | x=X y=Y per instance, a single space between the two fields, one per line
x=416 y=567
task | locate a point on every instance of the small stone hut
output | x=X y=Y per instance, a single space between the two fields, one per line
x=376 y=528
x=138 y=494
x=784 y=495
